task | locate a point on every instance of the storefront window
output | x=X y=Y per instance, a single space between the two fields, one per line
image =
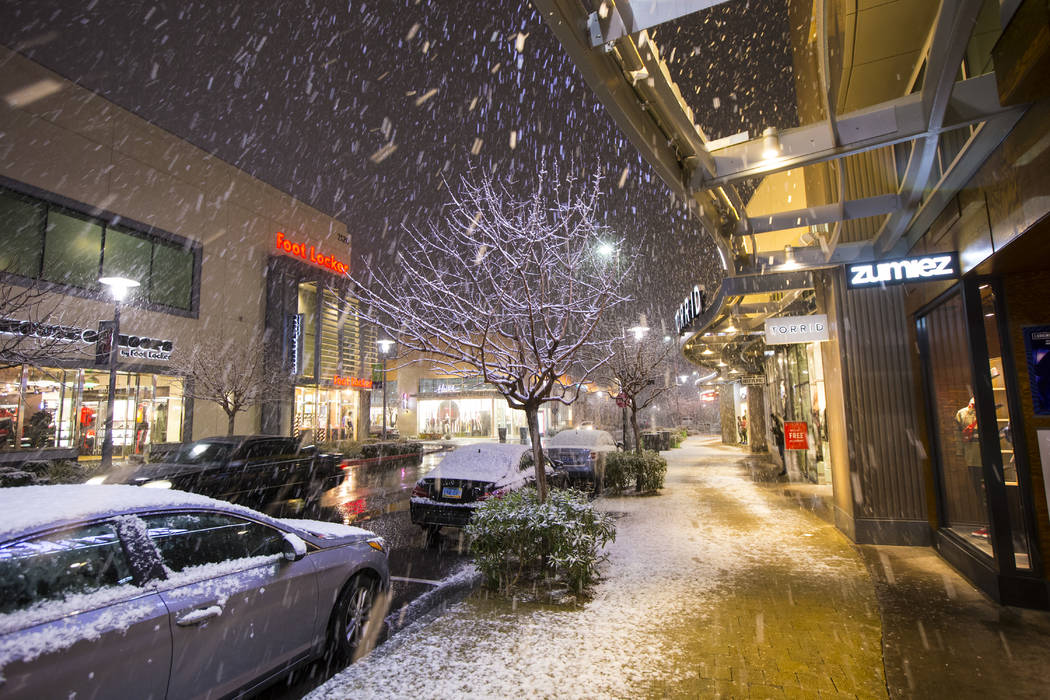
x=326 y=415
x=1004 y=434
x=459 y=417
x=21 y=227
x=954 y=422
x=71 y=250
x=308 y=308
x=148 y=410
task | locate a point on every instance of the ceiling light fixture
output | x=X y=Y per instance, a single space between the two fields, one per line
x=770 y=143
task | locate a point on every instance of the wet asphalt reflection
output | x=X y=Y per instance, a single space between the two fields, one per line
x=375 y=496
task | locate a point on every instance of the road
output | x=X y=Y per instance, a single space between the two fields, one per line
x=375 y=496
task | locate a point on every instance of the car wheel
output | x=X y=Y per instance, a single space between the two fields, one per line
x=352 y=618
x=431 y=536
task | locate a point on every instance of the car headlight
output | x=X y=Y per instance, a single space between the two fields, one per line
x=158 y=484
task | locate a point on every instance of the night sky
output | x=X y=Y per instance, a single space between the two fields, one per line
x=369 y=110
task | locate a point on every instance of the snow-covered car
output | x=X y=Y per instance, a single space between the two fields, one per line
x=581 y=454
x=449 y=493
x=125 y=592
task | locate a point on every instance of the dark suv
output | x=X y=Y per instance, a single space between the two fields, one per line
x=267 y=472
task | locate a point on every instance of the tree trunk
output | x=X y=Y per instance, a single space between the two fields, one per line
x=637 y=433
x=537 y=452
x=230 y=415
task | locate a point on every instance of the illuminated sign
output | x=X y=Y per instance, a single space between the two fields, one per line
x=689 y=309
x=944 y=266
x=131 y=346
x=796 y=329
x=352 y=382
x=310 y=254
x=295 y=341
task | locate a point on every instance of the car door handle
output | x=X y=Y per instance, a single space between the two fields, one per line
x=198 y=616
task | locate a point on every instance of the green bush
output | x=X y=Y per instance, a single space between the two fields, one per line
x=516 y=538
x=646 y=471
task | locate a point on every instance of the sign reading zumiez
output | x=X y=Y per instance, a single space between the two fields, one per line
x=942 y=266
x=796 y=329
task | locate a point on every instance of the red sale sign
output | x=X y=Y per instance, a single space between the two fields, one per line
x=795 y=435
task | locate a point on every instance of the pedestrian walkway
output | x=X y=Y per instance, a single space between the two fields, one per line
x=723 y=585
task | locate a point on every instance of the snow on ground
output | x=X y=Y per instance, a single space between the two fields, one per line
x=670 y=555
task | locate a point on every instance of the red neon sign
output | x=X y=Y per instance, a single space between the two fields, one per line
x=309 y=253
x=352 y=382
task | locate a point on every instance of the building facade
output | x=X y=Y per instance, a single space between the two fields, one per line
x=87 y=190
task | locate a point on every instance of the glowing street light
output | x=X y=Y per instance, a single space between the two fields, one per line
x=384 y=347
x=118 y=289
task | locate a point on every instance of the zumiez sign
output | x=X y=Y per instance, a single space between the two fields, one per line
x=943 y=266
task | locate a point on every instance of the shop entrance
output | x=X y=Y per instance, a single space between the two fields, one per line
x=326 y=415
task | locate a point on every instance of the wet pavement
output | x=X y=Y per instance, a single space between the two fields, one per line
x=375 y=496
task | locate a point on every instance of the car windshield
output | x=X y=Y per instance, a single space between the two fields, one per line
x=202 y=451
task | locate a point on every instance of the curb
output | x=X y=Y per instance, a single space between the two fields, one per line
x=453 y=589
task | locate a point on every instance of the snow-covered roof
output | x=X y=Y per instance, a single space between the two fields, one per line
x=582 y=438
x=486 y=461
x=28 y=508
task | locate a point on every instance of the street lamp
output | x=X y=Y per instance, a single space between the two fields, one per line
x=118 y=289
x=384 y=347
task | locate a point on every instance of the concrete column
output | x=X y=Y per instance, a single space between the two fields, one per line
x=756 y=419
x=727 y=414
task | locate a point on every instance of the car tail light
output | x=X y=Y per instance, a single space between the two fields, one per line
x=420 y=491
x=344 y=465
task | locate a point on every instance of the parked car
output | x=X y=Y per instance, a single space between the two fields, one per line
x=449 y=493
x=123 y=592
x=271 y=473
x=581 y=454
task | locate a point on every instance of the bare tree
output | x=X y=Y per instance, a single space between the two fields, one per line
x=511 y=289
x=30 y=332
x=223 y=373
x=640 y=366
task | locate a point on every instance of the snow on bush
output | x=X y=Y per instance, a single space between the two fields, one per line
x=646 y=471
x=515 y=537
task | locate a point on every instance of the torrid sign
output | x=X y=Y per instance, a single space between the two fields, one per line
x=310 y=254
x=785 y=330
x=943 y=266
x=689 y=309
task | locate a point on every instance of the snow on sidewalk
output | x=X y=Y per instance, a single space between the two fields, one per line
x=675 y=559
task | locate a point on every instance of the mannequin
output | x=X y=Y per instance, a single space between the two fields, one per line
x=966 y=420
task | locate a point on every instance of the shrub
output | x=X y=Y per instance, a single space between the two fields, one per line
x=515 y=537
x=646 y=471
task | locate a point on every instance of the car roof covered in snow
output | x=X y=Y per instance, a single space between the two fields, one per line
x=29 y=508
x=486 y=461
x=583 y=438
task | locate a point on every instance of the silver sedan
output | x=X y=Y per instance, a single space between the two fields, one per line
x=120 y=591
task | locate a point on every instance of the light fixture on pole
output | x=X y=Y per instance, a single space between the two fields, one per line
x=118 y=289
x=384 y=347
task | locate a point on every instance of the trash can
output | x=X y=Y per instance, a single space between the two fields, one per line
x=665 y=440
x=524 y=433
x=502 y=431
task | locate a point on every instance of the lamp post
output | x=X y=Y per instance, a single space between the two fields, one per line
x=384 y=348
x=118 y=289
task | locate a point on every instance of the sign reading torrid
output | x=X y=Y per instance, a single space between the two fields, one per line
x=310 y=254
x=795 y=435
x=944 y=266
x=689 y=309
x=796 y=329
x=352 y=382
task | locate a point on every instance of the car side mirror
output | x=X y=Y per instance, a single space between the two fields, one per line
x=293 y=548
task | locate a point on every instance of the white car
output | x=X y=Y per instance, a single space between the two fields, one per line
x=449 y=493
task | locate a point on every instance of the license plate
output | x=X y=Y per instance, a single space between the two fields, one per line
x=452 y=492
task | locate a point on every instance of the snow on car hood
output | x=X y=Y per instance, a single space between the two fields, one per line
x=487 y=461
x=324 y=530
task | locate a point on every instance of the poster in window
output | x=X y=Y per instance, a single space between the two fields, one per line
x=796 y=435
x=1037 y=355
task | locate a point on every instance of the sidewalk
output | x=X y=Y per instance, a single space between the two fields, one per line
x=723 y=586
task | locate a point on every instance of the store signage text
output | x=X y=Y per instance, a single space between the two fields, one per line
x=753 y=380
x=295 y=341
x=795 y=435
x=689 y=309
x=446 y=389
x=796 y=329
x=944 y=266
x=131 y=346
x=309 y=253
x=352 y=382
